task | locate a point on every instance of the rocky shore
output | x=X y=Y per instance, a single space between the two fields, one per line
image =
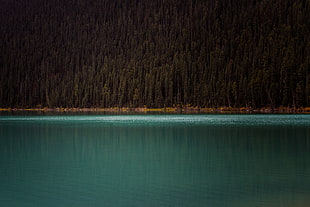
x=169 y=110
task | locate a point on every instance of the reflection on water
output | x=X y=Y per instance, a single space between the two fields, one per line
x=202 y=160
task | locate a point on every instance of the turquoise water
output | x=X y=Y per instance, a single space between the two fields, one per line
x=155 y=160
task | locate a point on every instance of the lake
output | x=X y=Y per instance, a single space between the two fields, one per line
x=155 y=160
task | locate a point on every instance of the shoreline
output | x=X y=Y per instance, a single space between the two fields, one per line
x=244 y=110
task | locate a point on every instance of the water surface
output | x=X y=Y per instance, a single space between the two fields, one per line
x=155 y=160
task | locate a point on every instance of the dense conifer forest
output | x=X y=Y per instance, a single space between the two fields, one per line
x=154 y=53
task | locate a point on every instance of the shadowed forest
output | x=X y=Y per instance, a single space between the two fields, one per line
x=154 y=53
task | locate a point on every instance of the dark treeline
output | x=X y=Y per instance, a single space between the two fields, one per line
x=154 y=53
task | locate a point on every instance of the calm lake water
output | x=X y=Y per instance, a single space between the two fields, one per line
x=155 y=160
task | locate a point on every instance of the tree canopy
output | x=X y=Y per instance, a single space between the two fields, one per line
x=154 y=53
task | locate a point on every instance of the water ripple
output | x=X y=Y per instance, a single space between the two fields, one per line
x=169 y=119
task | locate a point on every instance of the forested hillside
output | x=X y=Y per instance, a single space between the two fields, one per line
x=154 y=53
